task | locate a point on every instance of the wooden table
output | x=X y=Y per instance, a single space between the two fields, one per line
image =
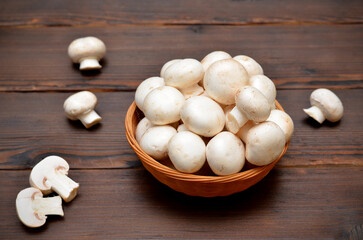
x=314 y=192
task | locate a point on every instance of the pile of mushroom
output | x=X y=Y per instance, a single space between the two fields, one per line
x=49 y=175
x=219 y=111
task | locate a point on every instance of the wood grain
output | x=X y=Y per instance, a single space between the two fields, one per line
x=322 y=203
x=295 y=57
x=93 y=12
x=33 y=125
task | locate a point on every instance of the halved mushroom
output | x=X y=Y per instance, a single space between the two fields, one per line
x=145 y=88
x=251 y=104
x=325 y=105
x=251 y=66
x=32 y=208
x=50 y=174
x=80 y=106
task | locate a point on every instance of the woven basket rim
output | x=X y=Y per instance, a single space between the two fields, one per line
x=173 y=173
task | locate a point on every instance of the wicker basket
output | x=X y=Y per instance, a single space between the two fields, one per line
x=193 y=184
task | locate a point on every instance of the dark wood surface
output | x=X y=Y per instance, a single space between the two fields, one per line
x=314 y=192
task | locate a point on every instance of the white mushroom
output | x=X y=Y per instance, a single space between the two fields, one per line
x=242 y=133
x=186 y=151
x=223 y=79
x=202 y=116
x=182 y=127
x=225 y=154
x=79 y=106
x=284 y=121
x=214 y=57
x=325 y=105
x=185 y=75
x=266 y=87
x=251 y=104
x=32 y=208
x=166 y=65
x=163 y=104
x=251 y=66
x=265 y=143
x=142 y=127
x=50 y=175
x=155 y=141
x=145 y=88
x=87 y=51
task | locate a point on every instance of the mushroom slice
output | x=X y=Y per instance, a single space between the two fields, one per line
x=79 y=106
x=32 y=208
x=325 y=105
x=87 y=51
x=50 y=175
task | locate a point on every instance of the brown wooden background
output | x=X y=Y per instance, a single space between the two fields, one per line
x=315 y=191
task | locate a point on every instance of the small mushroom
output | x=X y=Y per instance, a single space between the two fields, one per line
x=32 y=208
x=166 y=65
x=325 y=105
x=251 y=66
x=251 y=104
x=79 y=106
x=266 y=87
x=87 y=51
x=186 y=151
x=50 y=174
x=185 y=75
x=163 y=104
x=202 y=116
x=264 y=143
x=284 y=121
x=155 y=141
x=223 y=79
x=142 y=127
x=225 y=154
x=145 y=88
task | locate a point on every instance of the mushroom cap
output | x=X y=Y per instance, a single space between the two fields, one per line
x=225 y=154
x=264 y=143
x=214 y=57
x=24 y=207
x=145 y=88
x=166 y=65
x=86 y=47
x=251 y=66
x=328 y=103
x=202 y=116
x=223 y=78
x=142 y=127
x=186 y=151
x=266 y=87
x=163 y=104
x=79 y=103
x=46 y=167
x=184 y=73
x=253 y=104
x=284 y=121
x=155 y=141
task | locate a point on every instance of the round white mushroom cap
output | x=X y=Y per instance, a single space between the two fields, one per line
x=284 y=121
x=325 y=105
x=214 y=57
x=265 y=143
x=225 y=154
x=187 y=152
x=251 y=66
x=223 y=79
x=87 y=51
x=166 y=65
x=155 y=141
x=142 y=127
x=163 y=104
x=265 y=86
x=145 y=88
x=202 y=116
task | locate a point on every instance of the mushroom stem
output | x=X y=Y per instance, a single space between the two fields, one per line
x=90 y=118
x=89 y=63
x=194 y=90
x=235 y=120
x=64 y=186
x=48 y=206
x=315 y=113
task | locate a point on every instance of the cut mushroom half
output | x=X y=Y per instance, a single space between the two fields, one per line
x=50 y=175
x=32 y=208
x=325 y=105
